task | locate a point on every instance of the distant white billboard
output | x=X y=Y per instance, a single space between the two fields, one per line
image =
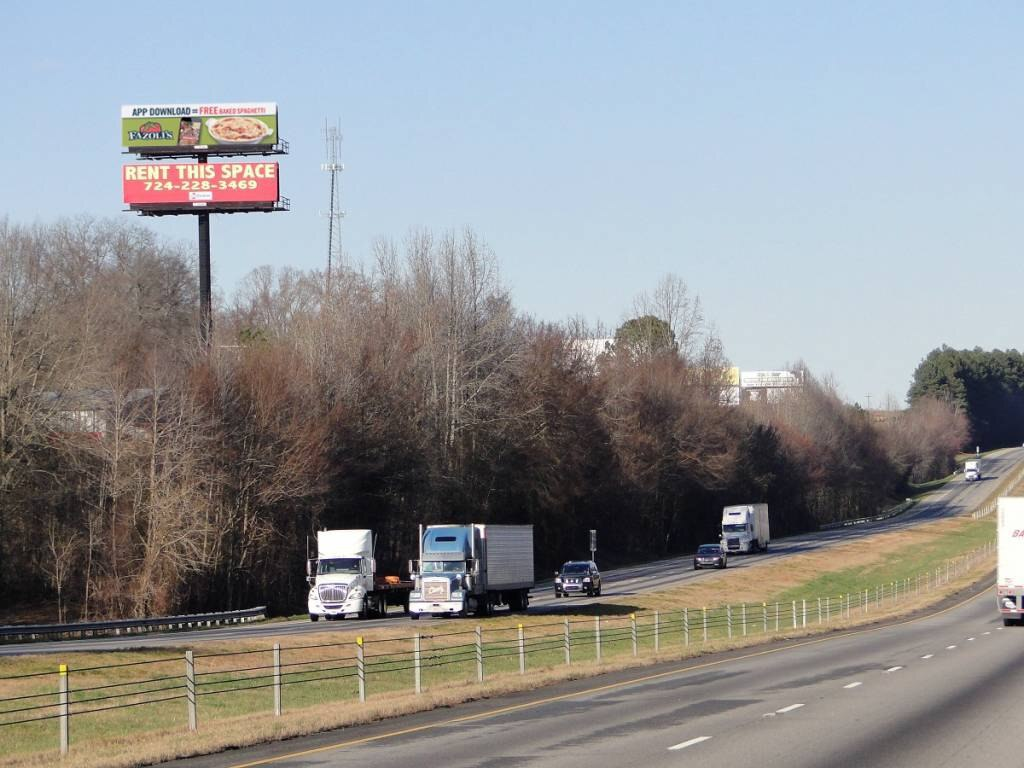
x=769 y=379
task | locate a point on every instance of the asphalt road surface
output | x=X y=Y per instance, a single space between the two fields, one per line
x=940 y=690
x=957 y=497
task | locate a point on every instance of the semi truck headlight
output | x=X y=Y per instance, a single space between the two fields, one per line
x=558 y=579
x=586 y=580
x=415 y=596
x=458 y=594
x=357 y=593
x=1009 y=602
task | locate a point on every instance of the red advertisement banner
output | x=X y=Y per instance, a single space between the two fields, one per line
x=199 y=184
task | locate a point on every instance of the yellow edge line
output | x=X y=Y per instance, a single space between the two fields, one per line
x=598 y=689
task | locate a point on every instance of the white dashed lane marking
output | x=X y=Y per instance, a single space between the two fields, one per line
x=852 y=685
x=894 y=669
x=790 y=708
x=928 y=656
x=690 y=743
x=950 y=647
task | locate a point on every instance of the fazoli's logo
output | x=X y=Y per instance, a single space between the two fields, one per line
x=150 y=131
x=1018 y=533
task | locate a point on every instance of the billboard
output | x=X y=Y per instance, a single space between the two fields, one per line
x=769 y=379
x=183 y=186
x=189 y=129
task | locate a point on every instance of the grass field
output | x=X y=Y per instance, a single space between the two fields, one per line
x=131 y=707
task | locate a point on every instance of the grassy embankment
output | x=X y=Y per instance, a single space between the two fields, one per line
x=155 y=732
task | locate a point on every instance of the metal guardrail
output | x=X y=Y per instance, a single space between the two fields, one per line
x=899 y=509
x=128 y=626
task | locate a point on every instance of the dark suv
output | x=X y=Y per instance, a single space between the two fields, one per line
x=578 y=577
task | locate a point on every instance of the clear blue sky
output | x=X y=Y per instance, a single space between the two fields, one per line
x=839 y=182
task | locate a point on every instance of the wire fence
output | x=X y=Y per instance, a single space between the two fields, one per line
x=200 y=688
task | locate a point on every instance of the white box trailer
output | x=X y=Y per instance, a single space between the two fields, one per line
x=471 y=569
x=745 y=528
x=1010 y=558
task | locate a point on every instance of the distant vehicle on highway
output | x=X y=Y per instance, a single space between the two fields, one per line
x=472 y=568
x=578 y=577
x=972 y=470
x=745 y=528
x=710 y=556
x=343 y=578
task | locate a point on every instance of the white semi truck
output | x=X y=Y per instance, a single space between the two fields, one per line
x=343 y=578
x=972 y=470
x=472 y=568
x=1010 y=565
x=745 y=528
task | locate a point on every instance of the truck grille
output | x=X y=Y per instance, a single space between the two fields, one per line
x=435 y=590
x=333 y=593
x=732 y=543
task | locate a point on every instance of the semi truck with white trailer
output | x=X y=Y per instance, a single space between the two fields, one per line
x=343 y=578
x=745 y=528
x=472 y=568
x=1010 y=558
x=972 y=470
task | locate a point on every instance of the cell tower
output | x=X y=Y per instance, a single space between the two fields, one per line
x=332 y=147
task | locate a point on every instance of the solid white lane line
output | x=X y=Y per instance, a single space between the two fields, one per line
x=852 y=685
x=790 y=708
x=689 y=743
x=950 y=647
x=928 y=656
x=894 y=669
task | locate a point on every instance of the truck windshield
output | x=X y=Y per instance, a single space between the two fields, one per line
x=734 y=528
x=338 y=565
x=444 y=566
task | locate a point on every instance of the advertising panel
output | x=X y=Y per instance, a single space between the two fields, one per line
x=204 y=185
x=769 y=379
x=176 y=129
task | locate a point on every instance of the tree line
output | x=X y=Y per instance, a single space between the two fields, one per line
x=986 y=386
x=141 y=474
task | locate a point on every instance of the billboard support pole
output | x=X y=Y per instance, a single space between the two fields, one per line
x=205 y=304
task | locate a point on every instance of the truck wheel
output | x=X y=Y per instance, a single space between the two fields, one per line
x=1009 y=622
x=314 y=617
x=414 y=616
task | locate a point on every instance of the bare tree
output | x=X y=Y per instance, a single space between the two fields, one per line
x=58 y=561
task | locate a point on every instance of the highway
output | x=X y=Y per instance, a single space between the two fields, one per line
x=957 y=497
x=935 y=691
